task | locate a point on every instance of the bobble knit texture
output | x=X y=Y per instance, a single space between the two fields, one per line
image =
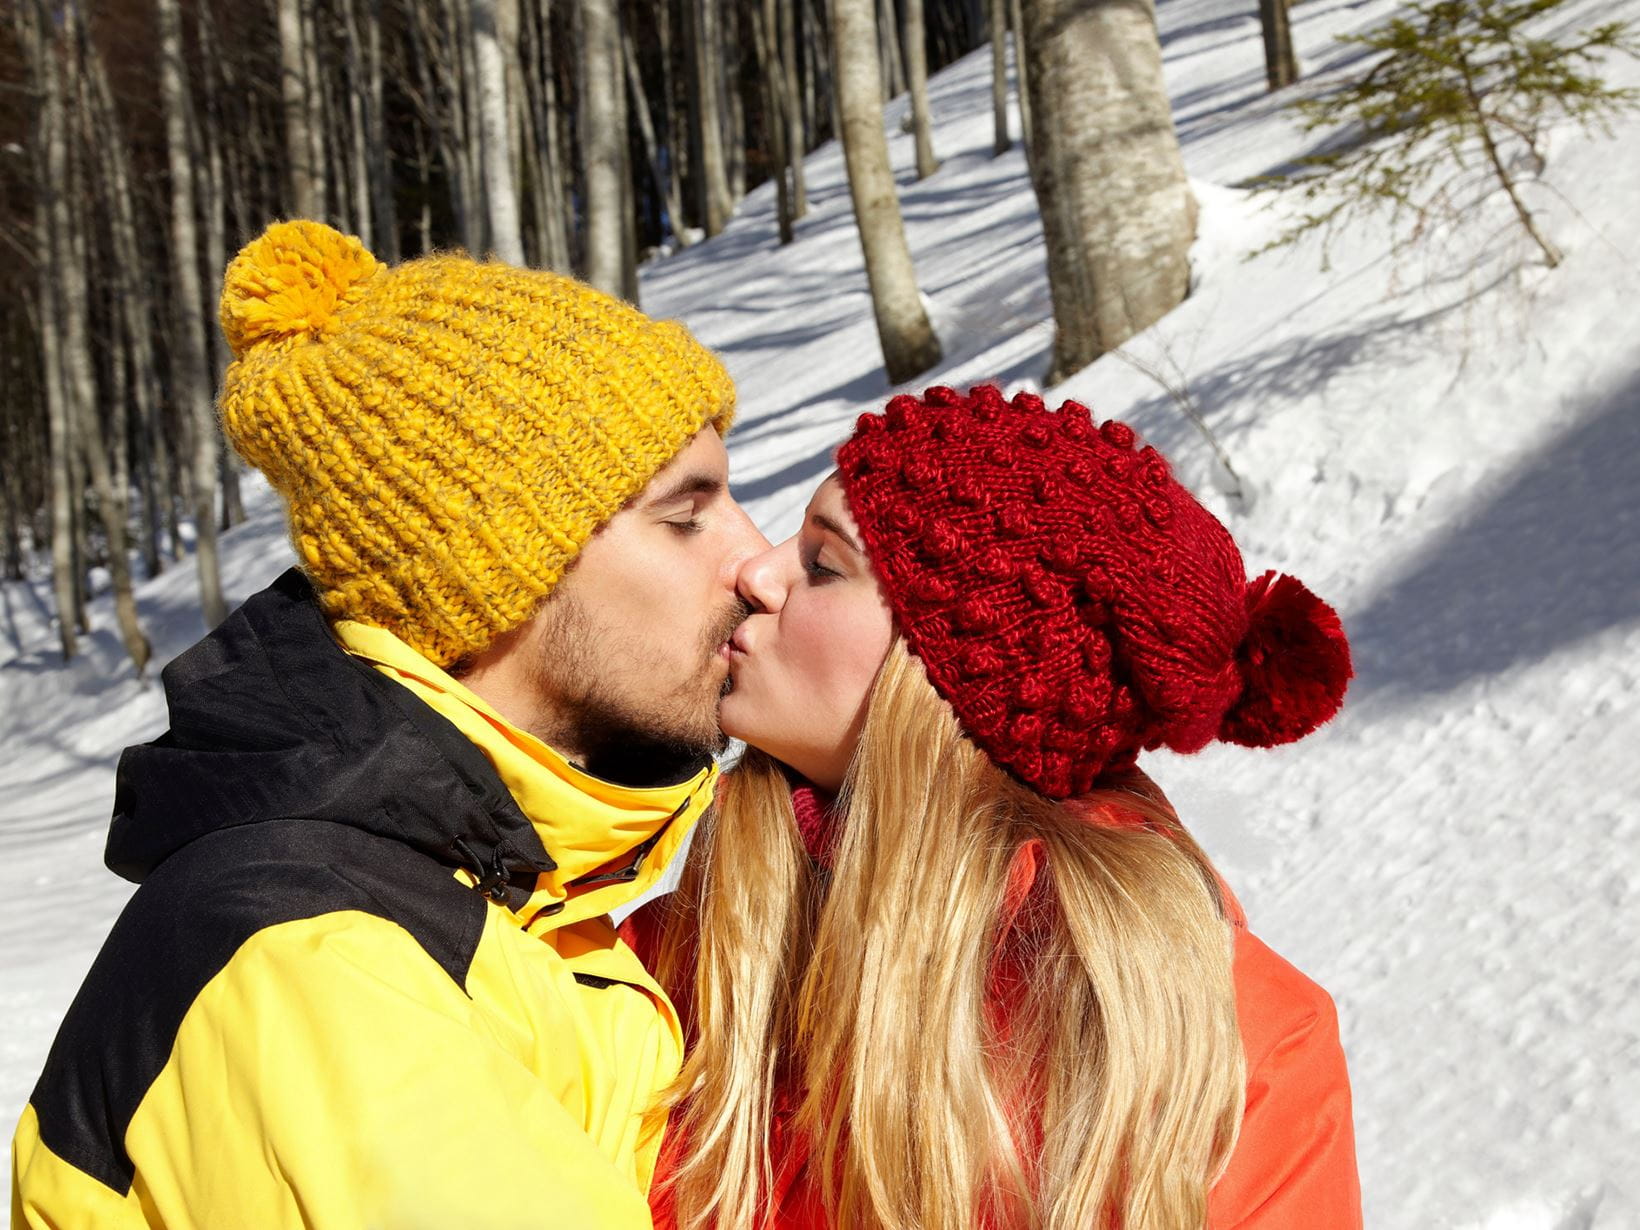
x=447 y=433
x=1069 y=598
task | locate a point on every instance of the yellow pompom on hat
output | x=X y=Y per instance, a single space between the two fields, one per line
x=446 y=432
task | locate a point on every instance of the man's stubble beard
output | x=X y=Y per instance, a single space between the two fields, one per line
x=627 y=732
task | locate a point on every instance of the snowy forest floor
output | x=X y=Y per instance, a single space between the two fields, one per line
x=1444 y=443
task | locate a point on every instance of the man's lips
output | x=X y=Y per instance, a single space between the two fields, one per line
x=735 y=648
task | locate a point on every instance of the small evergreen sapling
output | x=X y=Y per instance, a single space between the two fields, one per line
x=1457 y=87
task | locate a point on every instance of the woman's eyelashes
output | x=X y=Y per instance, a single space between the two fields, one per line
x=814 y=568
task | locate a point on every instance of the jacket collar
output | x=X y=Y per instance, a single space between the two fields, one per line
x=271 y=719
x=608 y=842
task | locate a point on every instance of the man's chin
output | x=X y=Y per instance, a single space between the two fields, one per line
x=622 y=743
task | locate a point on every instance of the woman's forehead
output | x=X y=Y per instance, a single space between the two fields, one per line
x=828 y=497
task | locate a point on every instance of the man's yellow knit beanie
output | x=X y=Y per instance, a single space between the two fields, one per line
x=447 y=433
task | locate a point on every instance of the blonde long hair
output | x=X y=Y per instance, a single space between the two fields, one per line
x=1111 y=1095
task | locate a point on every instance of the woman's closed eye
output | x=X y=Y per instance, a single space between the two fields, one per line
x=816 y=570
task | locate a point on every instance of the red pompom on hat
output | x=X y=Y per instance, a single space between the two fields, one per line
x=1069 y=598
x=1294 y=662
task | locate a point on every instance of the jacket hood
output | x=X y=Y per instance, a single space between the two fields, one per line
x=271 y=718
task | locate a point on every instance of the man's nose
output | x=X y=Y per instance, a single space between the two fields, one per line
x=747 y=540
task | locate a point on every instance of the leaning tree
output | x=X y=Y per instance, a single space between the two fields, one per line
x=1117 y=212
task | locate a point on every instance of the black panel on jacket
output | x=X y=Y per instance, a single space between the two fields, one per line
x=183 y=926
x=270 y=717
x=295 y=781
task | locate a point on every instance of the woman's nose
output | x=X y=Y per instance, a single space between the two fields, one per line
x=764 y=579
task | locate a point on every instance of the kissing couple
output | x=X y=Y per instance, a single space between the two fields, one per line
x=943 y=956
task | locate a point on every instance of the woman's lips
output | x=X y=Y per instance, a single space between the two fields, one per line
x=734 y=649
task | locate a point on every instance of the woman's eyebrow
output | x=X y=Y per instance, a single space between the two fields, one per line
x=826 y=523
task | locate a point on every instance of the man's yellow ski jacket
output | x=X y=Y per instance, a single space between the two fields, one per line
x=368 y=978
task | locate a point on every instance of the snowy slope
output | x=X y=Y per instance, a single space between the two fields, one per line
x=1446 y=446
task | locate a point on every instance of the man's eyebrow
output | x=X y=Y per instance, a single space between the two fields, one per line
x=827 y=524
x=685 y=487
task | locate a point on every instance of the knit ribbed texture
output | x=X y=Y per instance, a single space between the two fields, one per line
x=1072 y=601
x=447 y=433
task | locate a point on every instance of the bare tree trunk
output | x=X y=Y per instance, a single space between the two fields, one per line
x=734 y=106
x=358 y=128
x=472 y=104
x=80 y=379
x=776 y=105
x=623 y=149
x=706 y=119
x=14 y=422
x=77 y=483
x=433 y=82
x=675 y=122
x=210 y=136
x=259 y=186
x=916 y=58
x=534 y=201
x=35 y=26
x=1117 y=212
x=11 y=530
x=293 y=89
x=148 y=444
x=173 y=483
x=335 y=152
x=666 y=186
x=888 y=42
x=1280 y=64
x=549 y=192
x=509 y=37
x=327 y=185
x=998 y=11
x=599 y=59
x=135 y=310
x=233 y=503
x=118 y=400
x=191 y=380
x=909 y=344
x=19 y=478
x=22 y=432
x=500 y=192
x=797 y=128
x=327 y=123
x=1022 y=73
x=384 y=220
x=823 y=61
x=460 y=138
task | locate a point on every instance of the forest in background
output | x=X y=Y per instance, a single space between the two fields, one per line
x=142 y=142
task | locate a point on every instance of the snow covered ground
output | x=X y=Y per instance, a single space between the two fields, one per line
x=1445 y=445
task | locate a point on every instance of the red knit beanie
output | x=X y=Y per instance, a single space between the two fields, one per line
x=1069 y=598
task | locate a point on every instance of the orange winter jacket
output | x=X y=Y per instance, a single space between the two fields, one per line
x=1294 y=1163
